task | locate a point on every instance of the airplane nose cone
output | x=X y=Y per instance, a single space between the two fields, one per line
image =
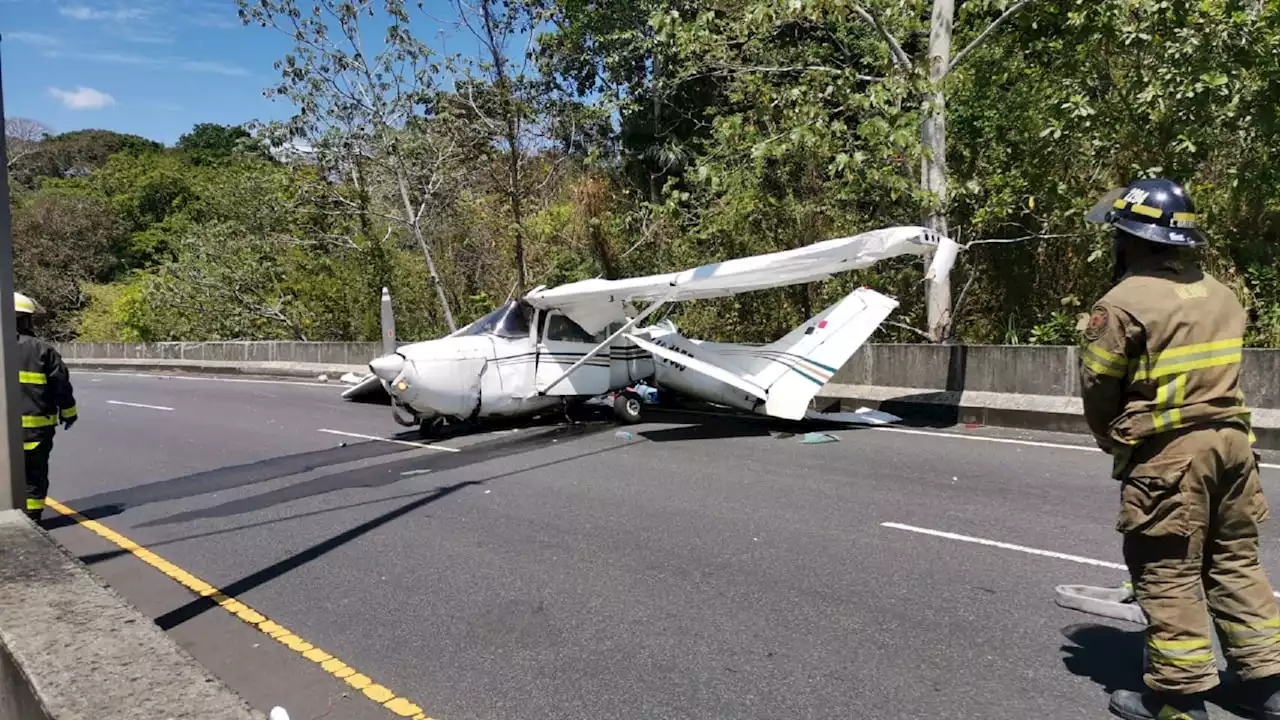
x=387 y=367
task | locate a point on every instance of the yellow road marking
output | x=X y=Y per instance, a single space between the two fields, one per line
x=399 y=706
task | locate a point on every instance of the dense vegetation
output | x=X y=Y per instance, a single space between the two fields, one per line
x=631 y=136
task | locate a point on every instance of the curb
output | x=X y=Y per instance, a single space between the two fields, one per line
x=209 y=367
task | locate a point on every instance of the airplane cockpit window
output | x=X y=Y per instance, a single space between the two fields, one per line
x=509 y=321
x=560 y=327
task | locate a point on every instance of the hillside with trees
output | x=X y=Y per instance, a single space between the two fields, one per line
x=620 y=137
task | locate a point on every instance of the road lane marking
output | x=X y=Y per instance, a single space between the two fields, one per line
x=1011 y=441
x=400 y=706
x=140 y=405
x=1010 y=546
x=1004 y=545
x=390 y=440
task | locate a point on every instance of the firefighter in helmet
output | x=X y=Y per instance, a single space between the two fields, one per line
x=47 y=400
x=1160 y=379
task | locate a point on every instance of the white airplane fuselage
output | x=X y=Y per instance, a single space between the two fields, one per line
x=505 y=367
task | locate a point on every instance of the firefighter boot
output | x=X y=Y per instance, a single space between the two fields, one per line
x=1157 y=706
x=1260 y=699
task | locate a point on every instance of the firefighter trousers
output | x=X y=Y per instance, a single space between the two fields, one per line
x=36 y=454
x=1190 y=504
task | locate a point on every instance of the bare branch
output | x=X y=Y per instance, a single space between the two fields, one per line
x=727 y=67
x=917 y=331
x=899 y=55
x=977 y=43
x=1024 y=238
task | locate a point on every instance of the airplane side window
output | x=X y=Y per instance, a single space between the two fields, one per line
x=514 y=323
x=560 y=327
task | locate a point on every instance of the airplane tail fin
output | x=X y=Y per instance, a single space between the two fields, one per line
x=804 y=360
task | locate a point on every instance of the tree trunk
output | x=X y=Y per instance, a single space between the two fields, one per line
x=933 y=176
x=414 y=224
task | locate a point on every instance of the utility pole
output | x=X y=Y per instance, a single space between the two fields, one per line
x=13 y=489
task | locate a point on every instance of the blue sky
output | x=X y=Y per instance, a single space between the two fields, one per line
x=154 y=68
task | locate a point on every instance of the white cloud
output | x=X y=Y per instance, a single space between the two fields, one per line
x=83 y=98
x=31 y=38
x=82 y=12
x=164 y=63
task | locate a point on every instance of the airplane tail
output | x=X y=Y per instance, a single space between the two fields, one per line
x=796 y=367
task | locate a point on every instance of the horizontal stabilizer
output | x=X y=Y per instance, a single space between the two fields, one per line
x=701 y=366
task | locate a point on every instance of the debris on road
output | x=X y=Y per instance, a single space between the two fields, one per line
x=861 y=416
x=781 y=434
x=411 y=473
x=814 y=438
x=623 y=435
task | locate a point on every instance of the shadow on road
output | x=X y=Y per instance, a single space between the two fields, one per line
x=1109 y=656
x=55 y=522
x=385 y=474
x=199 y=606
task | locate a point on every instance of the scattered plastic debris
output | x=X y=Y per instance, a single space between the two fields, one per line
x=814 y=438
x=278 y=713
x=342 y=444
x=323 y=378
x=486 y=492
x=648 y=394
x=781 y=434
x=411 y=473
x=623 y=435
x=862 y=416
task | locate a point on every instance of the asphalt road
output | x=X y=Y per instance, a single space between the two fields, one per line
x=703 y=569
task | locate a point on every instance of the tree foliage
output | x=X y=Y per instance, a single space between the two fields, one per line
x=613 y=138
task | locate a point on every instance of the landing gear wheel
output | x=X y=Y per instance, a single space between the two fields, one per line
x=431 y=427
x=626 y=407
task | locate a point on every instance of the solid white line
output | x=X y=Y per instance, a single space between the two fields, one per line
x=1010 y=546
x=334 y=385
x=1010 y=441
x=140 y=405
x=1006 y=546
x=389 y=440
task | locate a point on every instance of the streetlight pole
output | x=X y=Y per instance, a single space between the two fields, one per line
x=13 y=489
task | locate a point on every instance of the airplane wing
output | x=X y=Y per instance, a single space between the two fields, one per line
x=596 y=303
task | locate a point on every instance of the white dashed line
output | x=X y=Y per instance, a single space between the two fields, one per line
x=140 y=405
x=1010 y=546
x=1004 y=545
x=389 y=440
x=1011 y=441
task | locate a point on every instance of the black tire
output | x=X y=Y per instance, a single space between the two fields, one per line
x=430 y=428
x=627 y=407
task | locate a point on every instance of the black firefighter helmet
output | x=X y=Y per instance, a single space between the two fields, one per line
x=1156 y=210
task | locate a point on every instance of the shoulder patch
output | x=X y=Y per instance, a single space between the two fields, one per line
x=1097 y=322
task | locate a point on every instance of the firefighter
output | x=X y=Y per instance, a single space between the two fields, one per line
x=47 y=399
x=1161 y=354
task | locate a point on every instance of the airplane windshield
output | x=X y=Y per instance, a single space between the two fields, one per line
x=509 y=321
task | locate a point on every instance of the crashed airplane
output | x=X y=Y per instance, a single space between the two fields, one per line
x=583 y=340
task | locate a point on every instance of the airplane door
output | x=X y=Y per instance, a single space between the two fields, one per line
x=561 y=343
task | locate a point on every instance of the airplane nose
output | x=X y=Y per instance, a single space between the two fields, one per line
x=387 y=367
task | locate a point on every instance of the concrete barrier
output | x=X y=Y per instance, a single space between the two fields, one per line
x=72 y=649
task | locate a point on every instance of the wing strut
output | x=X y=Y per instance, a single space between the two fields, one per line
x=607 y=341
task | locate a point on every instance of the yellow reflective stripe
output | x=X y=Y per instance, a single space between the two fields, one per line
x=1169 y=399
x=1266 y=632
x=1184 y=217
x=39 y=421
x=1103 y=362
x=1181 y=652
x=30 y=445
x=1190 y=357
x=69 y=412
x=32 y=378
x=1147 y=210
x=35 y=504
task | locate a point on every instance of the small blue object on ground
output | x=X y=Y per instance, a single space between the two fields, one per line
x=814 y=438
x=623 y=435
